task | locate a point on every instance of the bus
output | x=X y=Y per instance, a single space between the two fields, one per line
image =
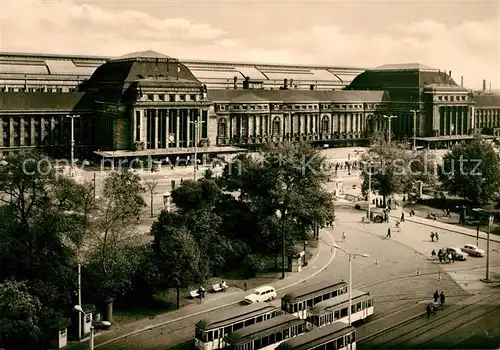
x=307 y=296
x=335 y=309
x=266 y=335
x=210 y=332
x=335 y=336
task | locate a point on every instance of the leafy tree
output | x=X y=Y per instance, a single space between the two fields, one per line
x=471 y=170
x=176 y=254
x=111 y=261
x=20 y=315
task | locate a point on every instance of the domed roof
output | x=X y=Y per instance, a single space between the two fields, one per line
x=138 y=55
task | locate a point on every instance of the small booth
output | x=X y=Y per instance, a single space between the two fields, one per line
x=59 y=334
x=298 y=260
x=87 y=318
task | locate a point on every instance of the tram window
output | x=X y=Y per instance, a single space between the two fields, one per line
x=228 y=330
x=249 y=322
x=265 y=342
x=337 y=315
x=334 y=294
x=330 y=346
x=317 y=300
x=330 y=318
x=279 y=336
x=259 y=319
x=300 y=306
x=343 y=312
x=272 y=338
x=294 y=307
x=237 y=326
x=258 y=344
x=210 y=336
x=340 y=342
x=309 y=303
x=358 y=306
x=353 y=337
x=286 y=333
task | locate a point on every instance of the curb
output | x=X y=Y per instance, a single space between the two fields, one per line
x=225 y=305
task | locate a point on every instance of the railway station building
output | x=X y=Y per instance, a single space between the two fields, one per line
x=150 y=104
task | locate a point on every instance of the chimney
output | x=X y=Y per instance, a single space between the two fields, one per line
x=484 y=85
x=285 y=84
x=462 y=81
x=235 y=83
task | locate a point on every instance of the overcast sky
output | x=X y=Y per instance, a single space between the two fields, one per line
x=450 y=35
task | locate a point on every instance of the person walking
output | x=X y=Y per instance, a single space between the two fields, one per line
x=440 y=256
x=452 y=257
x=428 y=309
x=432 y=236
x=433 y=254
x=402 y=217
x=343 y=236
x=436 y=236
x=436 y=296
x=449 y=257
x=441 y=298
x=388 y=233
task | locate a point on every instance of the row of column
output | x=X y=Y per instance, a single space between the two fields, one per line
x=453 y=120
x=488 y=119
x=32 y=130
x=293 y=124
x=168 y=128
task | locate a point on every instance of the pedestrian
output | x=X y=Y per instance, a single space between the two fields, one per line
x=428 y=309
x=449 y=257
x=245 y=286
x=402 y=217
x=432 y=236
x=343 y=236
x=436 y=236
x=441 y=298
x=440 y=255
x=436 y=296
x=388 y=233
x=453 y=257
x=433 y=254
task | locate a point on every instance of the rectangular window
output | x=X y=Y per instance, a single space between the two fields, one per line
x=182 y=98
x=343 y=312
x=340 y=342
x=237 y=326
x=192 y=97
x=161 y=97
x=151 y=97
x=337 y=315
x=210 y=336
x=204 y=124
x=171 y=98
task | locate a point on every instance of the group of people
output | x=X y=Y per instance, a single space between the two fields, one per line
x=434 y=235
x=443 y=256
x=436 y=297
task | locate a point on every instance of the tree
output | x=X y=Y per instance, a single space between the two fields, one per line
x=42 y=226
x=111 y=261
x=176 y=254
x=151 y=186
x=20 y=315
x=395 y=169
x=471 y=170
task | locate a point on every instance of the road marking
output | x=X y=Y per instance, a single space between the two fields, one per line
x=226 y=305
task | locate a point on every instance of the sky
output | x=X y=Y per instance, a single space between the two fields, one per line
x=458 y=36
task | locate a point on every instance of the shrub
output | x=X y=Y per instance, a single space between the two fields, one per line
x=254 y=264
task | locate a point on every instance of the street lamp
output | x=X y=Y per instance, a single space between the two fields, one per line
x=282 y=216
x=390 y=118
x=336 y=246
x=195 y=160
x=369 y=190
x=491 y=218
x=415 y=111
x=72 y=117
x=78 y=308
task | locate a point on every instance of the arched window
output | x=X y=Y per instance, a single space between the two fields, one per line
x=222 y=128
x=276 y=126
x=325 y=124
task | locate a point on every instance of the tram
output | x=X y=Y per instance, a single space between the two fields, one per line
x=337 y=335
x=210 y=332
x=306 y=297
x=266 y=335
x=336 y=309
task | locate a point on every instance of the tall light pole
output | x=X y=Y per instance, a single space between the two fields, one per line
x=370 y=167
x=415 y=111
x=195 y=160
x=282 y=217
x=490 y=221
x=389 y=119
x=72 y=117
x=79 y=287
x=351 y=255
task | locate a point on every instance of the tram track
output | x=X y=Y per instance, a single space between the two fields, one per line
x=421 y=326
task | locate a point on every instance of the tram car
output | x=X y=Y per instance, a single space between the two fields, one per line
x=266 y=335
x=336 y=309
x=305 y=297
x=337 y=335
x=210 y=332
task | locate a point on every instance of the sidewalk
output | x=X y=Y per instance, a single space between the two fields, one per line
x=316 y=265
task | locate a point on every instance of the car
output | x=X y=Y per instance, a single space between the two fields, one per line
x=473 y=250
x=457 y=252
x=261 y=294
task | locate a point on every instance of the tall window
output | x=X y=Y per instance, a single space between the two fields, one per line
x=222 y=128
x=325 y=124
x=276 y=126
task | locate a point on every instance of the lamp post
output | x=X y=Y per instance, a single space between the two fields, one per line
x=415 y=111
x=336 y=246
x=72 y=117
x=282 y=216
x=195 y=160
x=389 y=118
x=79 y=309
x=369 y=190
x=491 y=218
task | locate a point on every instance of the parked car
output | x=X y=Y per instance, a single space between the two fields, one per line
x=473 y=250
x=261 y=294
x=457 y=252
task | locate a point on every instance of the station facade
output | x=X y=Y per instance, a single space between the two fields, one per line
x=149 y=104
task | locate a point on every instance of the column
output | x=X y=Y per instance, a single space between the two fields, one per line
x=21 y=131
x=11 y=131
x=230 y=127
x=1 y=132
x=177 y=127
x=258 y=125
x=250 y=125
x=134 y=126
x=188 y=127
x=32 y=131
x=167 y=127
x=144 y=127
